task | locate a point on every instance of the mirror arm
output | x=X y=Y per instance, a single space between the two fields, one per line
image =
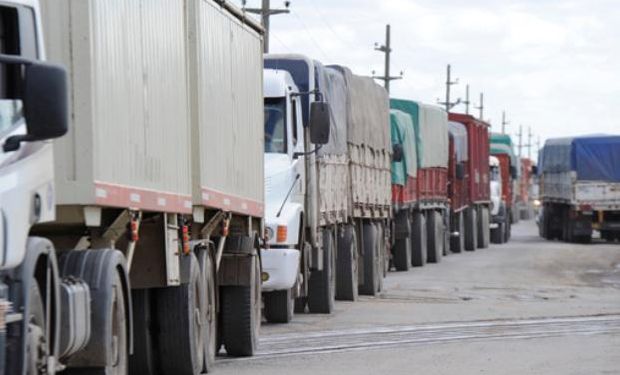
x=298 y=154
x=288 y=194
x=316 y=92
x=13 y=143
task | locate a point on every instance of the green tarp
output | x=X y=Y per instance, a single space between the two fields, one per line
x=402 y=129
x=502 y=144
x=413 y=110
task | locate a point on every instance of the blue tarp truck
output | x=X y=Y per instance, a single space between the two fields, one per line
x=580 y=188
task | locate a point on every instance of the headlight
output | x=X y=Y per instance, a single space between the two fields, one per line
x=268 y=234
x=536 y=203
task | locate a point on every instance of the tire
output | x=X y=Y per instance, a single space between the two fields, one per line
x=497 y=234
x=322 y=284
x=279 y=306
x=419 y=240
x=37 y=347
x=401 y=251
x=457 y=244
x=483 y=228
x=241 y=315
x=471 y=232
x=207 y=267
x=435 y=237
x=370 y=261
x=383 y=256
x=506 y=230
x=180 y=314
x=346 y=265
x=401 y=254
x=144 y=357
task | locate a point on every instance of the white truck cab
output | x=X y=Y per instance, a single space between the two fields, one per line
x=284 y=190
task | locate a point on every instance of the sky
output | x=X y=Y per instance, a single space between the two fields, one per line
x=551 y=65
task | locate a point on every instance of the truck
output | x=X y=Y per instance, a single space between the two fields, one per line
x=525 y=194
x=501 y=147
x=469 y=184
x=132 y=243
x=580 y=188
x=420 y=198
x=328 y=205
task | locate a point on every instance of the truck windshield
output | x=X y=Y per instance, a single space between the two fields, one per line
x=275 y=126
x=11 y=43
x=494 y=174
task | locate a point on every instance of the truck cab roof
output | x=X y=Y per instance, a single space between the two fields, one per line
x=277 y=83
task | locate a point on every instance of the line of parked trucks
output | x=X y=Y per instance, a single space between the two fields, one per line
x=196 y=185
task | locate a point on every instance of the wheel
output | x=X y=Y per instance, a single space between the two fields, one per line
x=36 y=344
x=370 y=261
x=401 y=251
x=401 y=254
x=144 y=357
x=435 y=237
x=418 y=240
x=180 y=314
x=457 y=244
x=383 y=256
x=241 y=315
x=507 y=229
x=471 y=231
x=497 y=234
x=279 y=306
x=322 y=284
x=207 y=267
x=346 y=265
x=483 y=228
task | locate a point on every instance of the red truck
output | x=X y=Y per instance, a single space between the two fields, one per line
x=524 y=199
x=468 y=183
x=419 y=184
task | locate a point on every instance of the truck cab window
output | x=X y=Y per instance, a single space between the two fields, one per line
x=17 y=37
x=294 y=108
x=275 y=126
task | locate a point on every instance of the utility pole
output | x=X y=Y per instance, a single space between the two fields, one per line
x=481 y=107
x=504 y=122
x=529 y=142
x=265 y=12
x=449 y=83
x=467 y=102
x=387 y=50
x=520 y=139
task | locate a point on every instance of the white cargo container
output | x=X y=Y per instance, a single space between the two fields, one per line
x=226 y=83
x=164 y=161
x=130 y=129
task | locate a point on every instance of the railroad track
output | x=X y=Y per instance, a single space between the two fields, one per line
x=300 y=343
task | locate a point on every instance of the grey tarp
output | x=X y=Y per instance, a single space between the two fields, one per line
x=368 y=111
x=332 y=86
x=434 y=134
x=459 y=134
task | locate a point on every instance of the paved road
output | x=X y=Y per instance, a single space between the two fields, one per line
x=529 y=306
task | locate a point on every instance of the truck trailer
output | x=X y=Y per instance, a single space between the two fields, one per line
x=139 y=245
x=420 y=197
x=580 y=188
x=468 y=180
x=332 y=200
x=502 y=217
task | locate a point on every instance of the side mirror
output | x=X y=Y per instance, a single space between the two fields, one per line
x=397 y=152
x=513 y=172
x=45 y=102
x=320 y=123
x=460 y=171
x=534 y=170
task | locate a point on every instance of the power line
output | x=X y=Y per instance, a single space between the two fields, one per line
x=265 y=13
x=309 y=34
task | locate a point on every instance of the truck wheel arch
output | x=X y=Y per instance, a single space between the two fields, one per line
x=39 y=256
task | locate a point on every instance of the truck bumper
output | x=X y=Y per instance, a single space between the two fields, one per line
x=280 y=268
